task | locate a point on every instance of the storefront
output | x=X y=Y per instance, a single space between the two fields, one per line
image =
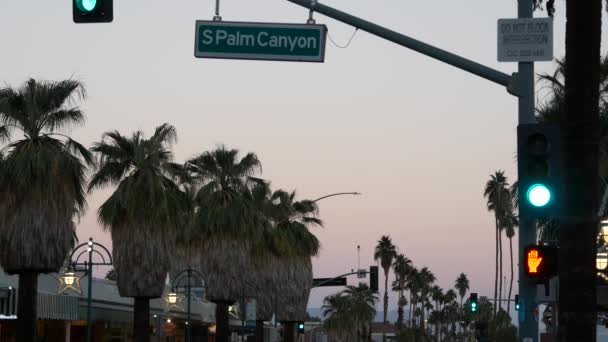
x=62 y=315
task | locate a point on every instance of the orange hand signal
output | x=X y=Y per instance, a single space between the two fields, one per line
x=534 y=261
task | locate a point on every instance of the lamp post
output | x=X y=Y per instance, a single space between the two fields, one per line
x=69 y=276
x=337 y=194
x=189 y=275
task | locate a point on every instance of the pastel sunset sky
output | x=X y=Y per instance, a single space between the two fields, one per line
x=416 y=137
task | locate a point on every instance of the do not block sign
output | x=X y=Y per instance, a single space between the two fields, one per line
x=261 y=41
x=525 y=40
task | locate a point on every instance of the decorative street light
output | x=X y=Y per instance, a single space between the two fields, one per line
x=70 y=280
x=338 y=194
x=189 y=275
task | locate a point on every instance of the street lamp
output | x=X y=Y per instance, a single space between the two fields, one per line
x=189 y=275
x=172 y=297
x=70 y=279
x=338 y=194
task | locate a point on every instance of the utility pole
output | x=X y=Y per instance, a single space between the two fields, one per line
x=520 y=84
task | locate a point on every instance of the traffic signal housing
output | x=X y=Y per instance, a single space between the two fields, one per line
x=541 y=261
x=92 y=11
x=539 y=163
x=473 y=302
x=516 y=302
x=300 y=327
x=373 y=278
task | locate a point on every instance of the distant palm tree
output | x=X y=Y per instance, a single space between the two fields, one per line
x=42 y=180
x=509 y=222
x=401 y=266
x=385 y=252
x=412 y=284
x=142 y=214
x=338 y=320
x=437 y=297
x=362 y=308
x=462 y=286
x=350 y=312
x=498 y=199
x=225 y=225
x=450 y=310
x=427 y=278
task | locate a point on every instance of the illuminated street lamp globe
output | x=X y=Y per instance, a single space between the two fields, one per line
x=538 y=195
x=172 y=298
x=69 y=278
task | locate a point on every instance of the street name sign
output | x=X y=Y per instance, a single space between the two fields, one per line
x=260 y=41
x=525 y=40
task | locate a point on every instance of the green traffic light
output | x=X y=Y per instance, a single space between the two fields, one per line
x=473 y=306
x=86 y=5
x=538 y=195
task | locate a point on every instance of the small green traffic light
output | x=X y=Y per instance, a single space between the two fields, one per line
x=538 y=195
x=474 y=307
x=86 y=5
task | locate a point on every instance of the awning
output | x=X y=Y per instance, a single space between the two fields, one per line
x=57 y=307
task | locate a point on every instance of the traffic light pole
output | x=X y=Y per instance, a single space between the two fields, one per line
x=520 y=85
x=528 y=327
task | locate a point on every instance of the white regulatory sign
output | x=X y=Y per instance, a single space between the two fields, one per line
x=525 y=40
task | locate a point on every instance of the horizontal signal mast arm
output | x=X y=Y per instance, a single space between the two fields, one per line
x=408 y=42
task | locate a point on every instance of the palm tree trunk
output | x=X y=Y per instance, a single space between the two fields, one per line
x=580 y=136
x=410 y=314
x=141 y=320
x=496 y=263
x=499 y=270
x=26 y=310
x=259 y=331
x=511 y=282
x=222 y=333
x=289 y=331
x=385 y=303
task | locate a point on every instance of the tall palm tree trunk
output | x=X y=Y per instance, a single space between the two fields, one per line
x=222 y=321
x=410 y=313
x=26 y=310
x=141 y=319
x=496 y=264
x=259 y=331
x=580 y=136
x=385 y=304
x=511 y=282
x=499 y=269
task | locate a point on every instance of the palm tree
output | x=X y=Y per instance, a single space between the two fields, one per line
x=401 y=266
x=437 y=297
x=385 y=252
x=509 y=223
x=225 y=226
x=462 y=286
x=263 y=266
x=351 y=310
x=296 y=245
x=362 y=307
x=142 y=214
x=449 y=307
x=338 y=320
x=498 y=196
x=427 y=278
x=42 y=179
x=412 y=285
